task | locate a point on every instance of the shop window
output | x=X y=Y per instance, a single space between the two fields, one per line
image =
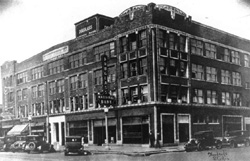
x=225 y=77
x=133 y=68
x=236 y=78
x=211 y=74
x=143 y=66
x=125 y=96
x=226 y=99
x=236 y=99
x=196 y=47
x=210 y=50
x=197 y=72
x=198 y=96
x=212 y=97
x=173 y=69
x=124 y=70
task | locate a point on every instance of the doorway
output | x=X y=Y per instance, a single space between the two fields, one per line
x=168 y=124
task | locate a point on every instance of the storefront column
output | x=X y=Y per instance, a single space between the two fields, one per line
x=74 y=104
x=41 y=104
x=60 y=132
x=83 y=102
x=52 y=108
x=61 y=106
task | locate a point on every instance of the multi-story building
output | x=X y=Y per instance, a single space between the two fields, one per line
x=161 y=71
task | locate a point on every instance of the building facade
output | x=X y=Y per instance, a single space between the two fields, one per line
x=152 y=67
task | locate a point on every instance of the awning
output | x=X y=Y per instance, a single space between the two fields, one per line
x=18 y=129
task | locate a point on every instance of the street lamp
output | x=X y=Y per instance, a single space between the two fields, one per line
x=106 y=110
x=29 y=118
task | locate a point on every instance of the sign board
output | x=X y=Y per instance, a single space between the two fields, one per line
x=105 y=74
x=86 y=27
x=57 y=53
x=105 y=100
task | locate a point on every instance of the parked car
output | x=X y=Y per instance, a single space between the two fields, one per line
x=202 y=140
x=37 y=143
x=19 y=144
x=236 y=137
x=74 y=144
x=1 y=142
x=8 y=140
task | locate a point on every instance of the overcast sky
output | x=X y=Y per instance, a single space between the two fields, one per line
x=28 y=27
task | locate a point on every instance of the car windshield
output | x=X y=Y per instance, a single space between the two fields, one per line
x=20 y=138
x=73 y=139
x=30 y=138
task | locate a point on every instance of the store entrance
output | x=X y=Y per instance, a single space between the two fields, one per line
x=99 y=135
x=168 y=128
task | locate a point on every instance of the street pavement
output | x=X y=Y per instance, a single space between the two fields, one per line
x=132 y=150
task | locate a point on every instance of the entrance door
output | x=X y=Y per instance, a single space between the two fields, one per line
x=183 y=122
x=112 y=134
x=99 y=135
x=168 y=128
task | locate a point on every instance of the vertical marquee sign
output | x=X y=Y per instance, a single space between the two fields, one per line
x=105 y=74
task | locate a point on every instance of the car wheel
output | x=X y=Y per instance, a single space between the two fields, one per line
x=219 y=145
x=199 y=147
x=233 y=145
x=247 y=143
x=32 y=146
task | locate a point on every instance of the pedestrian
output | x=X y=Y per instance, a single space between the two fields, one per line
x=151 y=139
x=157 y=144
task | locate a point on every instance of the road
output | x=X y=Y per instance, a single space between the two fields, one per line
x=225 y=154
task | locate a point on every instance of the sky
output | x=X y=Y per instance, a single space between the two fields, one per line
x=28 y=27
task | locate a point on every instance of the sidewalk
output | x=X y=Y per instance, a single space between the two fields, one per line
x=132 y=150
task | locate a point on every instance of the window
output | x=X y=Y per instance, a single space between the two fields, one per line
x=235 y=57
x=37 y=73
x=111 y=74
x=52 y=87
x=132 y=41
x=225 y=77
x=124 y=70
x=173 y=41
x=212 y=97
x=142 y=38
x=162 y=41
x=246 y=60
x=173 y=93
x=247 y=85
x=83 y=82
x=123 y=46
x=125 y=96
x=183 y=95
x=60 y=85
x=73 y=82
x=134 y=94
x=182 y=43
x=197 y=72
x=106 y=49
x=143 y=66
x=183 y=69
x=25 y=93
x=133 y=68
x=173 y=68
x=98 y=77
x=211 y=74
x=163 y=65
x=19 y=95
x=226 y=100
x=34 y=91
x=236 y=99
x=196 y=47
x=40 y=90
x=210 y=50
x=22 y=77
x=213 y=119
x=55 y=67
x=74 y=60
x=226 y=55
x=199 y=119
x=236 y=78
x=164 y=93
x=144 y=93
x=83 y=58
x=198 y=96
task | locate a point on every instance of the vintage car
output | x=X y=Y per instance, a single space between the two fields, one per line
x=8 y=141
x=19 y=144
x=236 y=137
x=36 y=143
x=74 y=144
x=202 y=140
x=1 y=142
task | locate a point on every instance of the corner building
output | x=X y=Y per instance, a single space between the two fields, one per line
x=166 y=73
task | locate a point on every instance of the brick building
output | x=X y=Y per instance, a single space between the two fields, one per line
x=161 y=71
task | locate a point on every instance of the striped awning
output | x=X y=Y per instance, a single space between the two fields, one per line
x=18 y=129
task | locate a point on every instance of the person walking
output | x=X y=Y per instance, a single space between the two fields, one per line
x=151 y=139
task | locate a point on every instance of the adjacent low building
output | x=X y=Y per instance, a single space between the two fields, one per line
x=151 y=68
